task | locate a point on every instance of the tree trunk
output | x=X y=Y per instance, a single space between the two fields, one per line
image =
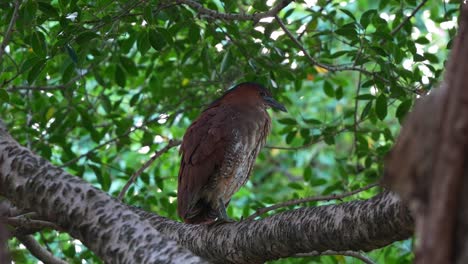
x=429 y=163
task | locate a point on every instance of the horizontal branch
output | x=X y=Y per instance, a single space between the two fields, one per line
x=226 y=16
x=264 y=210
x=357 y=225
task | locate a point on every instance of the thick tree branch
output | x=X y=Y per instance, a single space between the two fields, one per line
x=38 y=251
x=225 y=16
x=104 y=225
x=357 y=225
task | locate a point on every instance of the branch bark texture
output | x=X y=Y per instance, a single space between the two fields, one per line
x=102 y=223
x=357 y=225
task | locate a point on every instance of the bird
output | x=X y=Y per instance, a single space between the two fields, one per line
x=219 y=149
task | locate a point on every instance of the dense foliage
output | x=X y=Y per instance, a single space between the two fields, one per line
x=98 y=86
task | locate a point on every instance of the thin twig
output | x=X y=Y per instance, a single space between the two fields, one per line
x=395 y=30
x=356 y=107
x=330 y=68
x=318 y=12
x=365 y=259
x=309 y=199
x=9 y=30
x=400 y=26
x=226 y=16
x=170 y=144
x=38 y=251
x=24 y=222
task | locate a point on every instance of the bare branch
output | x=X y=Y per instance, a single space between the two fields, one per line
x=27 y=223
x=226 y=16
x=365 y=259
x=38 y=251
x=309 y=199
x=171 y=144
x=9 y=30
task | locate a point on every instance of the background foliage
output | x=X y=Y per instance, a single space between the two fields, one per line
x=98 y=86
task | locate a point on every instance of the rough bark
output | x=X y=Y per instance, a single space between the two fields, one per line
x=428 y=165
x=119 y=233
x=103 y=224
x=357 y=225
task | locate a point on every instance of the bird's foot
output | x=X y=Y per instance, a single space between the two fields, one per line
x=221 y=221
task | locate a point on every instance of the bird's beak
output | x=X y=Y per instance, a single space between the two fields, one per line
x=274 y=104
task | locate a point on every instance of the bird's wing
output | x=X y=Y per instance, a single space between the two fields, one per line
x=203 y=149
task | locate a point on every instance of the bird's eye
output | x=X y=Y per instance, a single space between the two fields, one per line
x=263 y=94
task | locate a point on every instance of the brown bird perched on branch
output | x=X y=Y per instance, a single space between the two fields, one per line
x=219 y=150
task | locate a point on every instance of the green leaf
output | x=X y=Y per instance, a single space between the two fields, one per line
x=312 y=121
x=307 y=173
x=366 y=110
x=348 y=31
x=348 y=13
x=431 y=57
x=366 y=17
x=365 y=97
x=295 y=185
x=156 y=39
x=4 y=97
x=339 y=93
x=36 y=70
x=119 y=76
x=194 y=33
x=422 y=40
x=143 y=44
x=287 y=121
x=290 y=137
x=328 y=89
x=38 y=44
x=381 y=106
x=84 y=39
x=71 y=53
x=403 y=109
x=226 y=62
x=48 y=10
x=128 y=65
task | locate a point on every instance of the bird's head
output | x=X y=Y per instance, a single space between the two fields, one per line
x=252 y=93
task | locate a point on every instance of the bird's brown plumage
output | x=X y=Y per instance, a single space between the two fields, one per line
x=219 y=150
